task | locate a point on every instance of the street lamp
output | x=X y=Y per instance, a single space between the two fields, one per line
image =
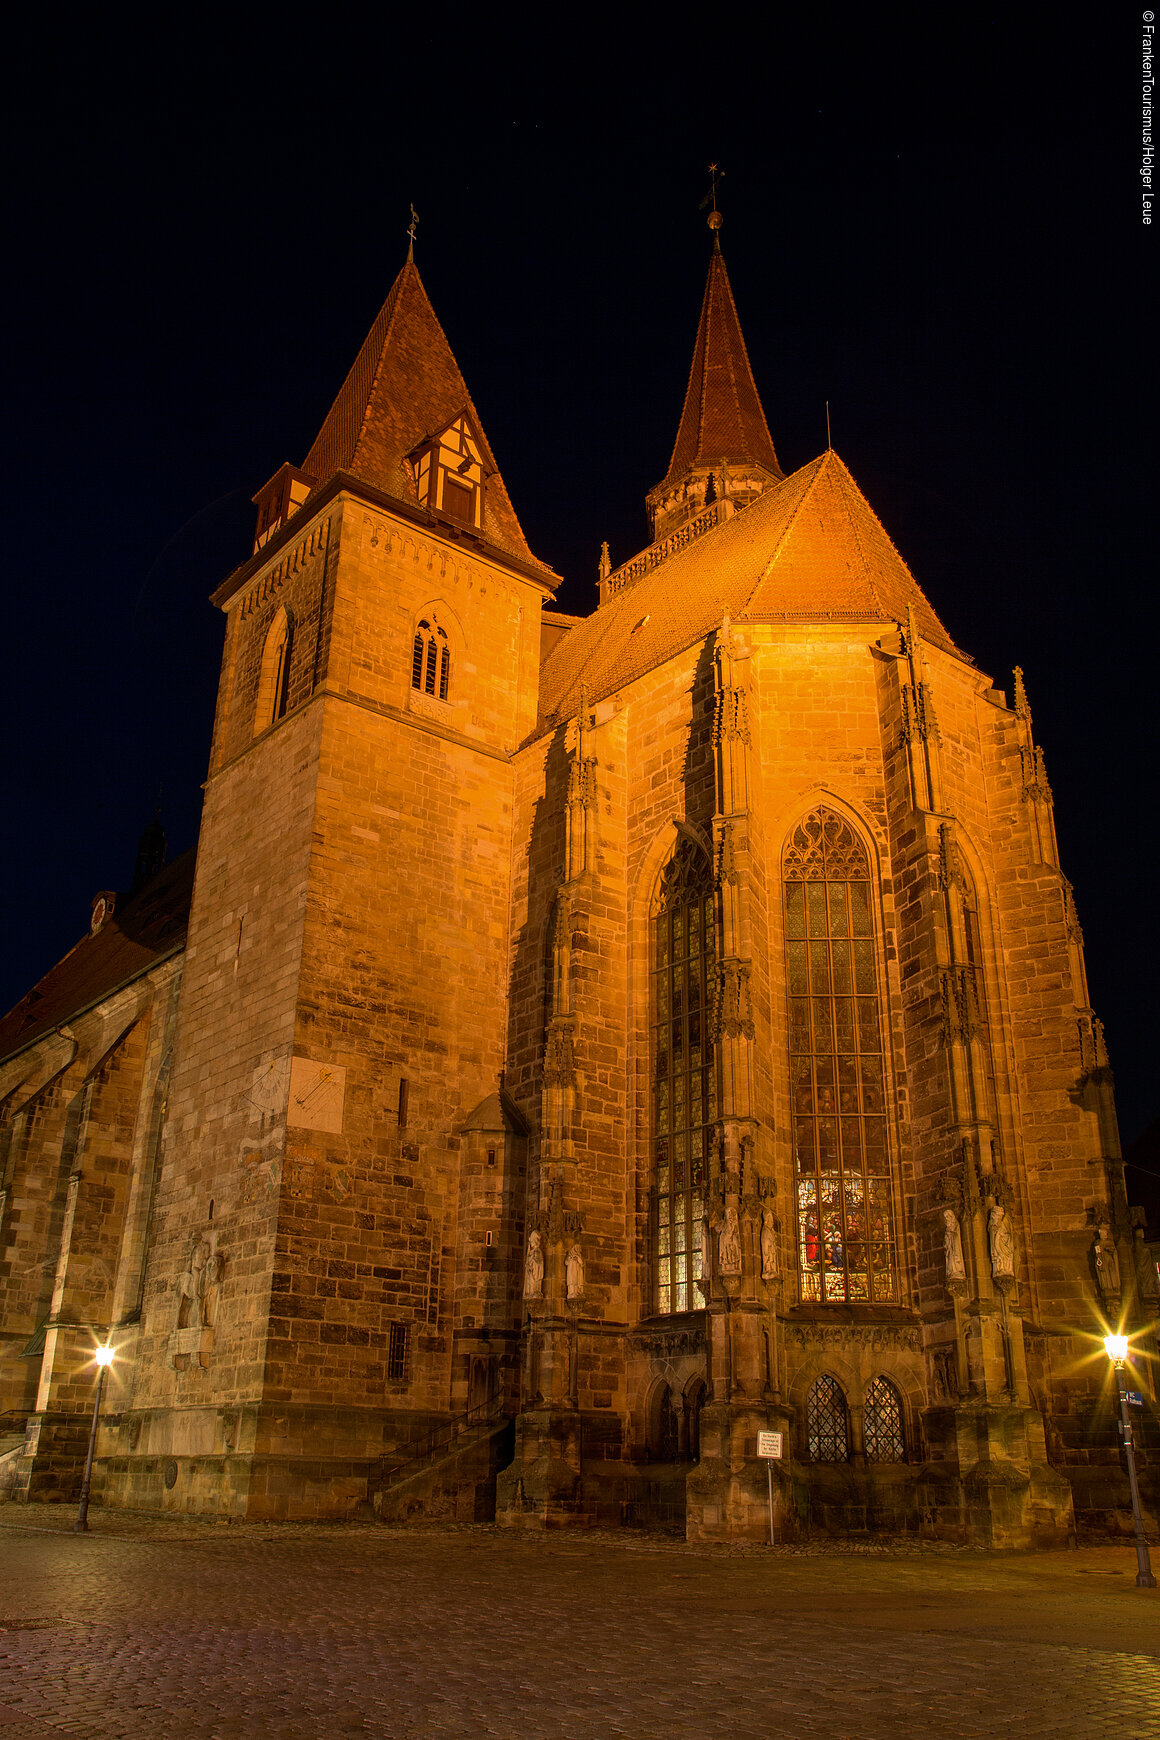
x=104 y=1358
x=1116 y=1348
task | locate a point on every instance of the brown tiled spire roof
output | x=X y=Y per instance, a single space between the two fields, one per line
x=405 y=385
x=722 y=416
x=809 y=549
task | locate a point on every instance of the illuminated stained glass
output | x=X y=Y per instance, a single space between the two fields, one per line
x=684 y=1081
x=845 y=1230
x=882 y=1423
x=827 y=1426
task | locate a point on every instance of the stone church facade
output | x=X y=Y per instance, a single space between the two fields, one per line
x=583 y=1044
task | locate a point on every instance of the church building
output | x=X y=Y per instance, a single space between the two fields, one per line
x=585 y=1054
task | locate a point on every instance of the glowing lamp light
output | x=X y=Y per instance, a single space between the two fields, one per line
x=1116 y=1347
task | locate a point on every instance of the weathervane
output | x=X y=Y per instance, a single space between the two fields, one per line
x=411 y=228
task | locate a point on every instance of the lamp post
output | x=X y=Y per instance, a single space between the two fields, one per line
x=104 y=1358
x=1116 y=1348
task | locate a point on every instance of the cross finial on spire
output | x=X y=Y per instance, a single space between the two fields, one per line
x=411 y=228
x=715 y=220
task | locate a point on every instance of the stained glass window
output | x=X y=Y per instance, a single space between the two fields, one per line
x=684 y=1085
x=841 y=1159
x=827 y=1430
x=882 y=1423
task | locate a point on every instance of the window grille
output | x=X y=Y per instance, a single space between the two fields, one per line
x=684 y=1097
x=845 y=1230
x=431 y=661
x=397 y=1353
x=882 y=1423
x=827 y=1427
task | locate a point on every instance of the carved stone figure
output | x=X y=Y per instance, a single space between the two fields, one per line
x=956 y=1269
x=211 y=1276
x=190 y=1285
x=574 y=1273
x=729 y=1244
x=534 y=1267
x=1107 y=1262
x=945 y=1376
x=768 y=1246
x=1002 y=1244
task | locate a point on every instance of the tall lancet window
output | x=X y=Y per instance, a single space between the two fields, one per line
x=841 y=1158
x=684 y=1096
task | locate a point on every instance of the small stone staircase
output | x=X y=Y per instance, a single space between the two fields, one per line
x=452 y=1475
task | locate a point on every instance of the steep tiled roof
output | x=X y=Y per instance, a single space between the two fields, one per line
x=809 y=549
x=722 y=416
x=404 y=386
x=148 y=927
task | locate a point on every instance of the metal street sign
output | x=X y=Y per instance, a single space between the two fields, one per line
x=769 y=1444
x=1134 y=1398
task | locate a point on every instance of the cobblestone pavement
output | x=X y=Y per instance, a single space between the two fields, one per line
x=185 y=1628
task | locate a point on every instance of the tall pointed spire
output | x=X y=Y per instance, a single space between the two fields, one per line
x=723 y=447
x=403 y=422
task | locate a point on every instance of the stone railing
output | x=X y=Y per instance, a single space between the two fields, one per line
x=660 y=552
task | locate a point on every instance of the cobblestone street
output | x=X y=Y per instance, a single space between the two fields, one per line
x=187 y=1628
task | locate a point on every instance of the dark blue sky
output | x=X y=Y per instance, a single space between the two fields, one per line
x=932 y=222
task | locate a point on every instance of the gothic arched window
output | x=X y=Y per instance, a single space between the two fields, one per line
x=274 y=675
x=841 y=1159
x=882 y=1423
x=827 y=1425
x=431 y=661
x=684 y=1089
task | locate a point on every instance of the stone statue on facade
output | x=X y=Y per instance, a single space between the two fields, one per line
x=574 y=1273
x=1002 y=1244
x=534 y=1267
x=956 y=1268
x=191 y=1284
x=211 y=1278
x=729 y=1244
x=768 y=1246
x=1107 y=1262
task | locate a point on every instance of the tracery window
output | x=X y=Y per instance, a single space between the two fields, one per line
x=684 y=1097
x=845 y=1230
x=431 y=661
x=827 y=1422
x=882 y=1423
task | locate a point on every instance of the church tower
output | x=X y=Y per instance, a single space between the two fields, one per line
x=334 y=1239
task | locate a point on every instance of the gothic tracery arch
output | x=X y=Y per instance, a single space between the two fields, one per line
x=846 y=1250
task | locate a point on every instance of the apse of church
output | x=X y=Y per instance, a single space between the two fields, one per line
x=597 y=1040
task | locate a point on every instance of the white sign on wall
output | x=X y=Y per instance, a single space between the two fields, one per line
x=769 y=1445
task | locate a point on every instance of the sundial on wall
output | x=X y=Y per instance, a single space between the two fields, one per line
x=268 y=1093
x=317 y=1091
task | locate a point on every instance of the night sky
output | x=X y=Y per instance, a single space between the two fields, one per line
x=932 y=221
